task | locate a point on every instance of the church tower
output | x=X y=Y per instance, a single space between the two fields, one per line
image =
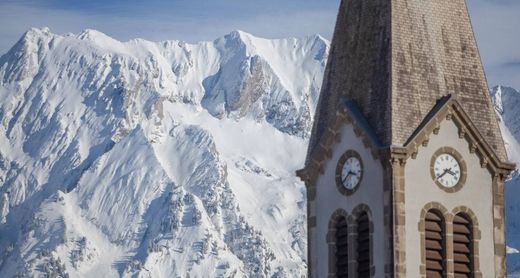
x=406 y=165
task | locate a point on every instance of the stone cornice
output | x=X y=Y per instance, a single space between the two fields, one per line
x=451 y=110
x=448 y=109
x=345 y=114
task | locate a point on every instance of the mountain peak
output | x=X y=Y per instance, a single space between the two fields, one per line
x=239 y=34
x=33 y=35
x=21 y=61
x=101 y=39
x=35 y=32
x=91 y=34
x=236 y=40
x=178 y=192
x=75 y=105
x=318 y=39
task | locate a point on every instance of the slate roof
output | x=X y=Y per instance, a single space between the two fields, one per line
x=396 y=59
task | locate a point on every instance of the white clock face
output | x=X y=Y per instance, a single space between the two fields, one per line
x=351 y=173
x=447 y=170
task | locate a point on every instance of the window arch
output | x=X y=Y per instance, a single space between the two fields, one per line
x=341 y=254
x=435 y=244
x=363 y=241
x=337 y=239
x=363 y=245
x=350 y=243
x=463 y=249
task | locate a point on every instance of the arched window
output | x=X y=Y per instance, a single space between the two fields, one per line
x=342 y=248
x=435 y=244
x=463 y=246
x=363 y=245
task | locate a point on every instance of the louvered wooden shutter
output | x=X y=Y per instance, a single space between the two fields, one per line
x=363 y=246
x=342 y=248
x=435 y=252
x=462 y=247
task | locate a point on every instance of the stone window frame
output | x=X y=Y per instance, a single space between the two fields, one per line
x=462 y=164
x=356 y=212
x=476 y=237
x=447 y=218
x=339 y=168
x=448 y=222
x=352 y=239
x=331 y=240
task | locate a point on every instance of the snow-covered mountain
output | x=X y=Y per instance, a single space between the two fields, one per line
x=155 y=159
x=166 y=159
x=507 y=106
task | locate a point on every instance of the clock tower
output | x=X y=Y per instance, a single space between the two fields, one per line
x=406 y=165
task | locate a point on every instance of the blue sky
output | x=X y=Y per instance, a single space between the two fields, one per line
x=496 y=22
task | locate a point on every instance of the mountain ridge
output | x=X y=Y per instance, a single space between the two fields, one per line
x=165 y=159
x=127 y=158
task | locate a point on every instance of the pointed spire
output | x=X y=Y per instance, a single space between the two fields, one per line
x=396 y=59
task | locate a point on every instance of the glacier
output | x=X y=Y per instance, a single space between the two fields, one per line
x=167 y=159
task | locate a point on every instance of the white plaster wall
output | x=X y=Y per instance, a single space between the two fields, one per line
x=329 y=199
x=420 y=190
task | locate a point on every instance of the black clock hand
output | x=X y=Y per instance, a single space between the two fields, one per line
x=450 y=172
x=442 y=175
x=346 y=177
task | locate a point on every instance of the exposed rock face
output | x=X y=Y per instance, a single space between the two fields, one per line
x=123 y=159
x=162 y=159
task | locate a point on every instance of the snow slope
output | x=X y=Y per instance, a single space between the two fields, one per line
x=507 y=103
x=155 y=159
x=166 y=159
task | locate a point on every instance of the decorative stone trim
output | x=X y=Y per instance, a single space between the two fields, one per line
x=394 y=169
x=434 y=206
x=312 y=221
x=499 y=169
x=476 y=234
x=360 y=209
x=452 y=110
x=448 y=222
x=339 y=168
x=323 y=150
x=462 y=164
x=394 y=159
x=335 y=216
x=331 y=239
x=310 y=231
x=388 y=218
x=360 y=131
x=356 y=212
x=499 y=226
x=471 y=215
x=352 y=244
x=352 y=239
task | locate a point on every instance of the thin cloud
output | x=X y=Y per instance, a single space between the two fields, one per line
x=512 y=64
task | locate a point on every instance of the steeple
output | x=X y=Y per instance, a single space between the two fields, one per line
x=406 y=165
x=395 y=59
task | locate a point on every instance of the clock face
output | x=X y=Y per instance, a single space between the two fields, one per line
x=351 y=173
x=447 y=170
